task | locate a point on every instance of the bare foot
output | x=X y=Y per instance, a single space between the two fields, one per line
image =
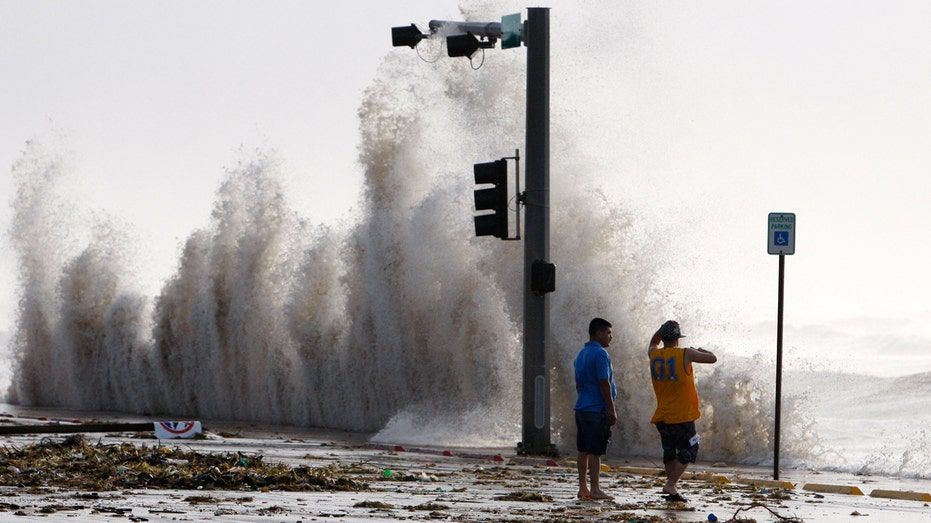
x=598 y=494
x=584 y=494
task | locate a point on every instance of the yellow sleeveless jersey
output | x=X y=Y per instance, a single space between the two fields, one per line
x=674 y=385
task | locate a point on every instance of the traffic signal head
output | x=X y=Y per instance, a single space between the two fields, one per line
x=492 y=199
x=404 y=35
x=462 y=45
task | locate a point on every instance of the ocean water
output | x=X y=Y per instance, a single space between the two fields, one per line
x=398 y=321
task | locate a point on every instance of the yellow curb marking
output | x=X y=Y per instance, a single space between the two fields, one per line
x=766 y=483
x=895 y=494
x=833 y=489
x=706 y=476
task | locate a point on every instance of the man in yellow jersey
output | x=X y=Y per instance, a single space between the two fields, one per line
x=676 y=401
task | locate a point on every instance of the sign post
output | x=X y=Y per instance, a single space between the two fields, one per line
x=781 y=239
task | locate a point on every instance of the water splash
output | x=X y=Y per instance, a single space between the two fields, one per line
x=403 y=323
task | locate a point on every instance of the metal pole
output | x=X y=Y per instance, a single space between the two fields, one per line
x=489 y=29
x=517 y=190
x=536 y=382
x=782 y=266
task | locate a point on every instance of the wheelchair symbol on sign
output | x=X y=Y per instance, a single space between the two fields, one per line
x=781 y=237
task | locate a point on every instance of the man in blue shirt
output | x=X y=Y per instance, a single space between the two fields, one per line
x=594 y=410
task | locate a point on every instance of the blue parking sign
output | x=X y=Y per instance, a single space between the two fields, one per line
x=781 y=233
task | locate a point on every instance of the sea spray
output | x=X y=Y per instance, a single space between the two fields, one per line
x=437 y=305
x=43 y=242
x=405 y=323
x=101 y=322
x=220 y=326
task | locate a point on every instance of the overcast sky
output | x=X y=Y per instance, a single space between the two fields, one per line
x=155 y=98
x=818 y=108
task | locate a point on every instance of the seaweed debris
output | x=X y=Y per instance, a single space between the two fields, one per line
x=73 y=463
x=525 y=496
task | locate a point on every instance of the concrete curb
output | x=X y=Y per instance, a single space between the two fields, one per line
x=707 y=476
x=766 y=483
x=896 y=494
x=833 y=489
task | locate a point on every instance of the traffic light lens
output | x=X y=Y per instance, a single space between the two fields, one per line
x=486 y=199
x=491 y=172
x=486 y=225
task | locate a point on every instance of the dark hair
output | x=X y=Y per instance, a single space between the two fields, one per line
x=597 y=325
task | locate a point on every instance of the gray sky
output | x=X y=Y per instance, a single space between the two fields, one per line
x=156 y=98
x=735 y=109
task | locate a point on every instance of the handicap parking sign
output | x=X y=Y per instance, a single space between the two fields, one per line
x=781 y=232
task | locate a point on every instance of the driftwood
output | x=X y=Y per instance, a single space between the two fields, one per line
x=771 y=511
x=57 y=428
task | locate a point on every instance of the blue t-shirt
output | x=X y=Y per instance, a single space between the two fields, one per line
x=591 y=365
